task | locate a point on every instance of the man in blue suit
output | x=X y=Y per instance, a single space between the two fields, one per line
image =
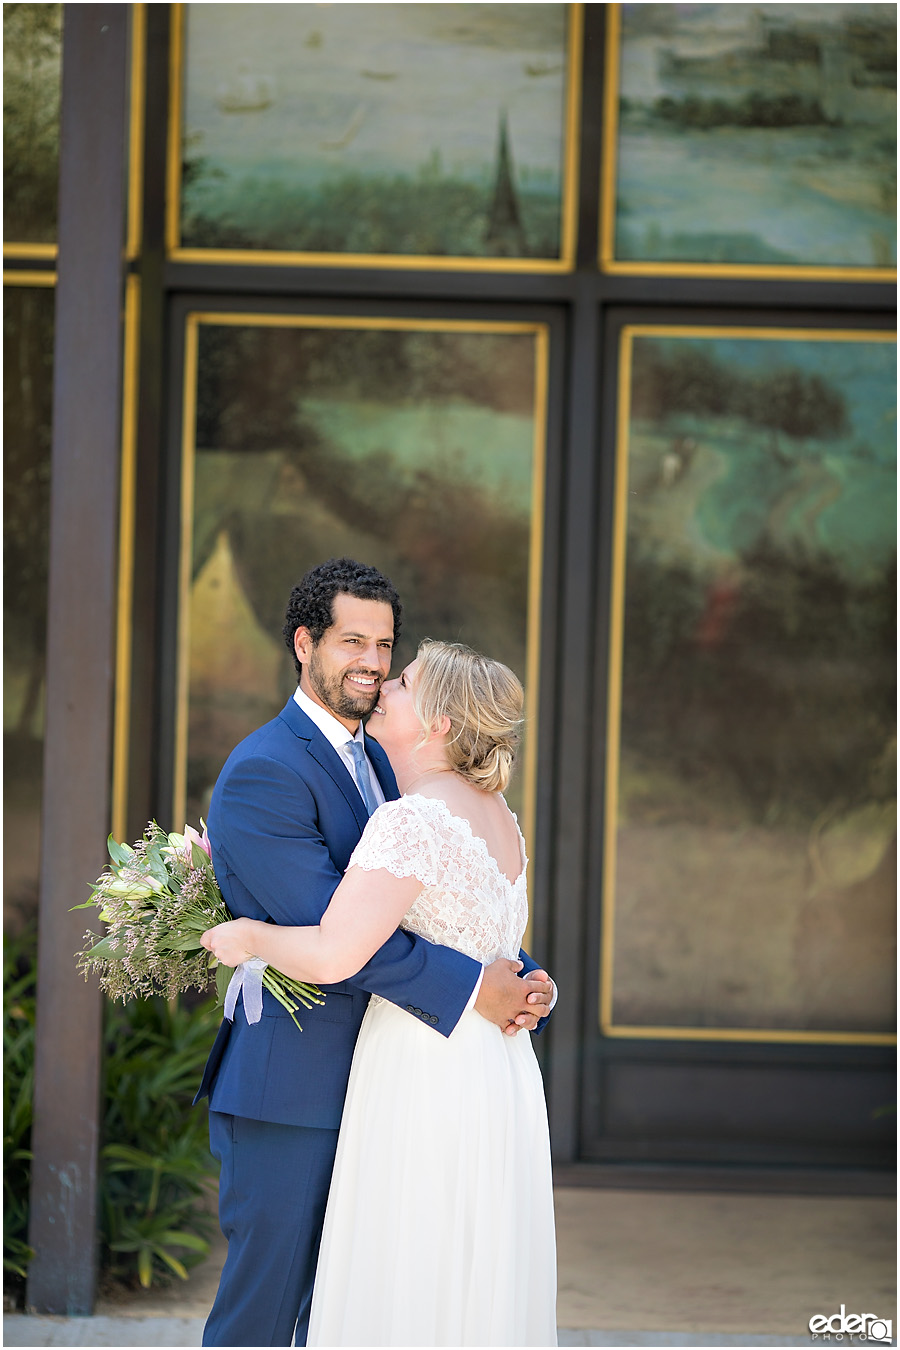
x=287 y=811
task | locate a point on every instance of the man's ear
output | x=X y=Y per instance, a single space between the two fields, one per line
x=303 y=644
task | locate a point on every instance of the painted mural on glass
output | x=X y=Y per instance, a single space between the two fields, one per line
x=367 y=129
x=412 y=451
x=756 y=843
x=27 y=399
x=757 y=134
x=31 y=84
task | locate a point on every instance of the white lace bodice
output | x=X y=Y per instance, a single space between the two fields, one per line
x=467 y=902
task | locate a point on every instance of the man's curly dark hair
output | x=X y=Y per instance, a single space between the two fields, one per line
x=312 y=600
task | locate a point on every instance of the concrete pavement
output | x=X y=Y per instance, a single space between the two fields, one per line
x=636 y=1268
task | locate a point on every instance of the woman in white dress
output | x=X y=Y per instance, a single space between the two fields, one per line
x=443 y=1162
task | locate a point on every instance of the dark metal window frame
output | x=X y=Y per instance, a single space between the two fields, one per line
x=585 y=307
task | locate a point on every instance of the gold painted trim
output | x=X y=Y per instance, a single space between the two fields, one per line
x=535 y=578
x=173 y=139
x=609 y=179
x=367 y=321
x=614 y=699
x=568 y=236
x=182 y=658
x=609 y=167
x=764 y=333
x=750 y=1034
x=16 y=277
x=125 y=593
x=30 y=251
x=401 y=261
x=136 y=129
x=541 y=333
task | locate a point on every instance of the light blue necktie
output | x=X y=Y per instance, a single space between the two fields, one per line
x=363 y=776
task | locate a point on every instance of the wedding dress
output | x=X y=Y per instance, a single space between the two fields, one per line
x=439 y=1229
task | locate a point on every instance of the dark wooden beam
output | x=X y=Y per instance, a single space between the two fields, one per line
x=81 y=621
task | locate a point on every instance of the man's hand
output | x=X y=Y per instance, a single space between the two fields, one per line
x=513 y=1004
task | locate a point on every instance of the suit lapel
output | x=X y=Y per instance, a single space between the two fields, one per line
x=382 y=766
x=326 y=755
x=330 y=760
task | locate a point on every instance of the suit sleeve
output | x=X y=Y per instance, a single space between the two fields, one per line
x=277 y=865
x=528 y=965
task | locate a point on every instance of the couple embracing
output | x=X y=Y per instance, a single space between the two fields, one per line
x=409 y=911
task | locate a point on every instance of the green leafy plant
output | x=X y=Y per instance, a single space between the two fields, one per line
x=18 y=1078
x=155 y=1169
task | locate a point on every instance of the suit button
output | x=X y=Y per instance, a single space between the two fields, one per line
x=418 y=1012
x=433 y=1020
x=410 y=1008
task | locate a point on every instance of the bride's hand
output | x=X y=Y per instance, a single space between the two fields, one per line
x=227 y=942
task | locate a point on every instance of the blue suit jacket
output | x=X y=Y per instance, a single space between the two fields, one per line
x=284 y=819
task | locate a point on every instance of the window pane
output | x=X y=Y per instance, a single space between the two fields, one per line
x=755 y=849
x=757 y=134
x=370 y=129
x=31 y=80
x=27 y=395
x=414 y=451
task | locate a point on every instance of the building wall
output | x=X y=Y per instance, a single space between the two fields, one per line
x=577 y=322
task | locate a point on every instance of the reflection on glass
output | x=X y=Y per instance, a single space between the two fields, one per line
x=27 y=395
x=755 y=847
x=389 y=128
x=31 y=80
x=410 y=450
x=758 y=134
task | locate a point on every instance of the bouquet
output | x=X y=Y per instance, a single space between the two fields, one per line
x=157 y=898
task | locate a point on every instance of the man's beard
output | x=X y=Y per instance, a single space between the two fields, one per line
x=333 y=692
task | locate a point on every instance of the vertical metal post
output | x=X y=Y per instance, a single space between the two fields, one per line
x=81 y=621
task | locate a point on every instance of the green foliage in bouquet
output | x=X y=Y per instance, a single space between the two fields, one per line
x=157 y=898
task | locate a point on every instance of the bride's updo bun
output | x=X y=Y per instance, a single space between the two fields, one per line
x=483 y=700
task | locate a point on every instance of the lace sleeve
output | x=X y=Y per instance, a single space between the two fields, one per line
x=398 y=839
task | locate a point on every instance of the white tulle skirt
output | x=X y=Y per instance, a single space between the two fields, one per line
x=439 y=1228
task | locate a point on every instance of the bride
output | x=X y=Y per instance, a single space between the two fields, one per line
x=443 y=1161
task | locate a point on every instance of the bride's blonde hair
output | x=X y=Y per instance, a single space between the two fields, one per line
x=483 y=700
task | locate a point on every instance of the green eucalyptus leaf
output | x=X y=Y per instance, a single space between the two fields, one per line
x=223 y=980
x=102 y=951
x=186 y=942
x=200 y=857
x=121 y=854
x=88 y=904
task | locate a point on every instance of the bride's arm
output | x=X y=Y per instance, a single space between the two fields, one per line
x=363 y=913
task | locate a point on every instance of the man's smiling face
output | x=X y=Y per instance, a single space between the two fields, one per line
x=345 y=670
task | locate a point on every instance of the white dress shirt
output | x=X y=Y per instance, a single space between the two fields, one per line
x=338 y=736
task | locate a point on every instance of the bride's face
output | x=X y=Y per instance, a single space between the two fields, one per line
x=394 y=723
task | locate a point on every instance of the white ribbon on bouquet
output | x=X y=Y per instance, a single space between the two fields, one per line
x=247 y=977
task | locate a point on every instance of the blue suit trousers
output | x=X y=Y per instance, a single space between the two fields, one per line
x=272 y=1195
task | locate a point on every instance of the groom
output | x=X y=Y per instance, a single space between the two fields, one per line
x=287 y=811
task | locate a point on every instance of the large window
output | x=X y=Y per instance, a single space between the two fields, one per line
x=416 y=445
x=751 y=804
